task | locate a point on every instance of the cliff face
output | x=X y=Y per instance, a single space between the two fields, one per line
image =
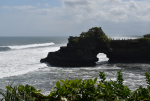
x=80 y=51
x=83 y=50
x=136 y=50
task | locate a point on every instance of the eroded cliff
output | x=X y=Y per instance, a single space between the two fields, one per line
x=80 y=51
x=83 y=50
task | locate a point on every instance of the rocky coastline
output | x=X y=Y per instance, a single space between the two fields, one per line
x=83 y=50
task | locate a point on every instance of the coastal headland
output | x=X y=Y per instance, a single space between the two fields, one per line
x=83 y=50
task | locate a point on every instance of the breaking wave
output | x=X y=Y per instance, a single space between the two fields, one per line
x=5 y=48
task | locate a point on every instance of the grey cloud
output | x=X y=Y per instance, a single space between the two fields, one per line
x=76 y=3
x=23 y=8
x=117 y=11
x=114 y=1
x=6 y=7
x=41 y=11
x=148 y=10
x=133 y=6
x=72 y=18
x=46 y=4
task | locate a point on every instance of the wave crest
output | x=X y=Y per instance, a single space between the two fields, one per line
x=4 y=48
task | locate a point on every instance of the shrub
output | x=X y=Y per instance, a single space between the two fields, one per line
x=20 y=93
x=81 y=90
x=96 y=35
x=75 y=40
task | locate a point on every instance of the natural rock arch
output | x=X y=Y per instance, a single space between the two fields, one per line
x=102 y=58
x=80 y=51
x=83 y=50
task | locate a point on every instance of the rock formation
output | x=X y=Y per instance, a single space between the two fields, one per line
x=83 y=50
x=80 y=51
x=133 y=50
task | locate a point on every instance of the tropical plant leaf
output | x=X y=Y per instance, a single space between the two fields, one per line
x=58 y=84
x=95 y=80
x=62 y=81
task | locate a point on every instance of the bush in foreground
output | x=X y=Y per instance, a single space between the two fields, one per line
x=81 y=90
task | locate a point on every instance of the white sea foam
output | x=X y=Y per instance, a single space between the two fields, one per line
x=25 y=59
x=123 y=37
x=29 y=46
x=102 y=57
x=18 y=62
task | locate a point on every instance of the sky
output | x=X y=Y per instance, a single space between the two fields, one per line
x=71 y=17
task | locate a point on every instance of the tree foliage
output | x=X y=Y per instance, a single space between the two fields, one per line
x=81 y=90
x=94 y=35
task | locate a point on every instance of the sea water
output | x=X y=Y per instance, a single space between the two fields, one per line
x=20 y=64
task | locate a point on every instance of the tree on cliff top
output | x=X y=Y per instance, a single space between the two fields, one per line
x=97 y=35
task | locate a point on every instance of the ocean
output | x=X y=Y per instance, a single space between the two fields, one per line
x=20 y=64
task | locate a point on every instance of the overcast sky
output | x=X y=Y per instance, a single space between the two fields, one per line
x=71 y=17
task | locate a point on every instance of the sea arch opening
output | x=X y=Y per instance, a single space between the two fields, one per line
x=102 y=58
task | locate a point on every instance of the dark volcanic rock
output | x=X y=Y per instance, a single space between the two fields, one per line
x=133 y=50
x=83 y=50
x=80 y=51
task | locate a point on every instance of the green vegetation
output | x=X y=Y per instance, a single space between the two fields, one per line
x=147 y=35
x=75 y=40
x=20 y=93
x=146 y=39
x=94 y=35
x=81 y=90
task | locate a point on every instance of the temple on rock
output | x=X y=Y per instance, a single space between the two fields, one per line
x=83 y=50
